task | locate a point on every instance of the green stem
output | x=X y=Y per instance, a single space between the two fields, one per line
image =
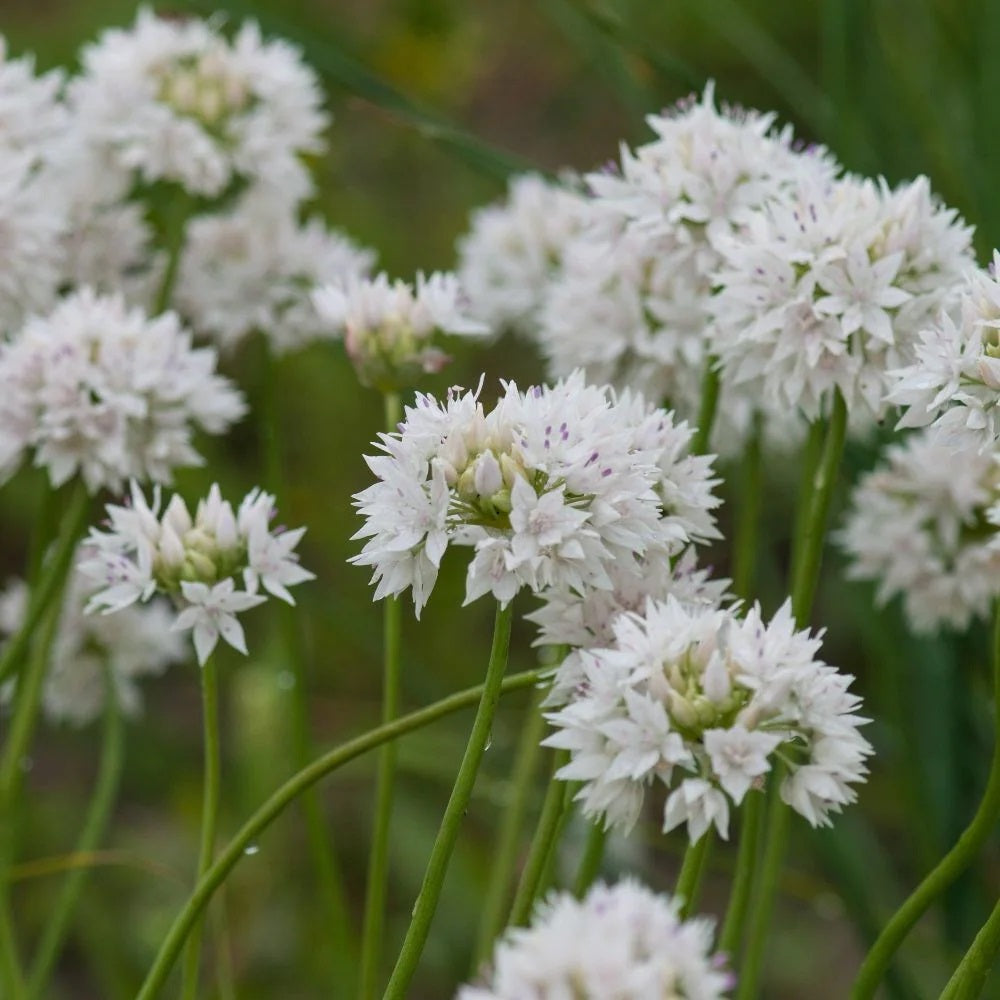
x=542 y=843
x=590 y=863
x=515 y=806
x=175 y=224
x=969 y=979
x=808 y=461
x=430 y=890
x=209 y=812
x=707 y=407
x=948 y=868
x=745 y=534
x=378 y=861
x=733 y=926
x=94 y=826
x=296 y=786
x=692 y=870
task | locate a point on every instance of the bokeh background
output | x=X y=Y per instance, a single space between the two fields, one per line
x=436 y=102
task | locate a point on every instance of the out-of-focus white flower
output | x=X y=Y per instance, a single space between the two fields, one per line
x=102 y=390
x=390 y=330
x=514 y=249
x=255 y=268
x=552 y=487
x=212 y=565
x=32 y=115
x=621 y=941
x=174 y=100
x=918 y=527
x=702 y=701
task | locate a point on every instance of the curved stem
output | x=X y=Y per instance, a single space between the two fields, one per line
x=94 y=826
x=707 y=407
x=515 y=806
x=209 y=812
x=297 y=785
x=746 y=864
x=175 y=225
x=692 y=870
x=378 y=861
x=949 y=867
x=969 y=978
x=590 y=863
x=437 y=865
x=748 y=516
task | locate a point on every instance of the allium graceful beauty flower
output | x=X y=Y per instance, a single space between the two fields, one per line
x=31 y=112
x=704 y=701
x=390 y=331
x=954 y=383
x=175 y=100
x=214 y=565
x=552 y=487
x=621 y=941
x=514 y=249
x=919 y=526
x=102 y=390
x=90 y=651
x=829 y=287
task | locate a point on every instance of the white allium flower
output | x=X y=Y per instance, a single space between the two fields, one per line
x=212 y=565
x=623 y=942
x=390 y=331
x=703 y=701
x=828 y=287
x=88 y=651
x=552 y=487
x=254 y=269
x=174 y=100
x=31 y=112
x=514 y=249
x=918 y=526
x=102 y=390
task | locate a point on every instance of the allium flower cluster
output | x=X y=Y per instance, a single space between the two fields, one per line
x=89 y=652
x=390 y=330
x=828 y=287
x=213 y=565
x=254 y=269
x=703 y=701
x=100 y=389
x=621 y=941
x=174 y=100
x=920 y=527
x=551 y=487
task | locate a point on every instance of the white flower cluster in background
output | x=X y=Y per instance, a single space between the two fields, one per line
x=213 y=565
x=101 y=390
x=391 y=330
x=704 y=702
x=552 y=487
x=91 y=651
x=620 y=941
x=920 y=526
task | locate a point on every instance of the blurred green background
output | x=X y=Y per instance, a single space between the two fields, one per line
x=435 y=102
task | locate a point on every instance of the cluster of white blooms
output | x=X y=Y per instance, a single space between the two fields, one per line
x=552 y=487
x=514 y=249
x=253 y=269
x=954 y=383
x=620 y=941
x=100 y=389
x=919 y=526
x=89 y=652
x=828 y=287
x=174 y=100
x=390 y=330
x=213 y=565
x=703 y=701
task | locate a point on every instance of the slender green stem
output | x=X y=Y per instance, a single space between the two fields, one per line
x=209 y=812
x=549 y=872
x=969 y=979
x=553 y=806
x=378 y=860
x=590 y=863
x=94 y=826
x=44 y=527
x=746 y=532
x=812 y=449
x=430 y=890
x=733 y=926
x=504 y=858
x=949 y=867
x=707 y=407
x=296 y=786
x=179 y=212
x=692 y=869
